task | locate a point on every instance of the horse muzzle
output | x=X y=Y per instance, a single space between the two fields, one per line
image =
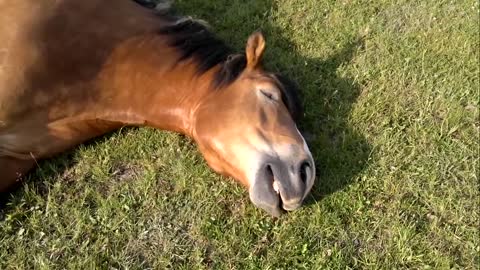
x=282 y=184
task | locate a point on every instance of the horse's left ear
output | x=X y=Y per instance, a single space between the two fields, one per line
x=255 y=49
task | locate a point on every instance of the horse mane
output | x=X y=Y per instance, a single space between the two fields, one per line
x=195 y=41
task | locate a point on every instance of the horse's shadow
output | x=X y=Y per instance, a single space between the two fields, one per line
x=339 y=151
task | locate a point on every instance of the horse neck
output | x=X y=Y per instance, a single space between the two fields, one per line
x=143 y=84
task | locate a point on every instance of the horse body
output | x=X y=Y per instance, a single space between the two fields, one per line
x=52 y=55
x=73 y=70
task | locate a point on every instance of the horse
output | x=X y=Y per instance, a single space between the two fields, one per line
x=74 y=70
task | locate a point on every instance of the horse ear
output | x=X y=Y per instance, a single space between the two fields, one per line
x=255 y=49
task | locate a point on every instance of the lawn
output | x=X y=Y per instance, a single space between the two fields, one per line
x=391 y=90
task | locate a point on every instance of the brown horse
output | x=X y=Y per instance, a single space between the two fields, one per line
x=72 y=70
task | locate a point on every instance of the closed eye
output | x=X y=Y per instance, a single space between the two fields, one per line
x=269 y=95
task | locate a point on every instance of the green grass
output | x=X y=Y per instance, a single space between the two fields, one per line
x=391 y=90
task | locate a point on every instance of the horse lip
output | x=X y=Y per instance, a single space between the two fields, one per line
x=291 y=207
x=274 y=188
x=281 y=204
x=286 y=206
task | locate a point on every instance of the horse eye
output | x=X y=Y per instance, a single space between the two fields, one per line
x=269 y=95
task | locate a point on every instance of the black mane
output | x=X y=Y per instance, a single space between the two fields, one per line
x=194 y=40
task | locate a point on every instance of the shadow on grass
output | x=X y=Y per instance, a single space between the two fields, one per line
x=340 y=152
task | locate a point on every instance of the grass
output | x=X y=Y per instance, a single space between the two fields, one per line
x=391 y=90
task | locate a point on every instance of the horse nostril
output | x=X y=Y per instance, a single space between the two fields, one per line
x=305 y=170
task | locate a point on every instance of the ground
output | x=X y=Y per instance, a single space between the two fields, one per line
x=391 y=90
